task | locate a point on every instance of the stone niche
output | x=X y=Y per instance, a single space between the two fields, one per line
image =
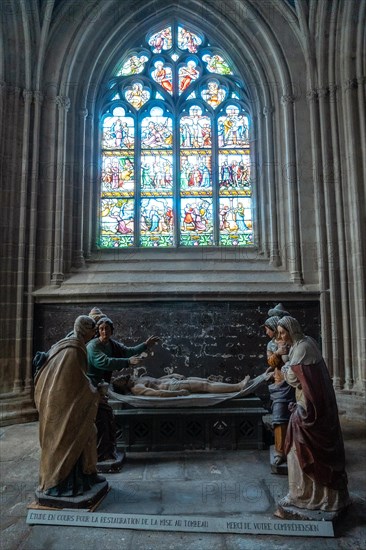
x=198 y=338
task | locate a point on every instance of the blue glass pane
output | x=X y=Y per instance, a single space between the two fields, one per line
x=136 y=95
x=188 y=40
x=117 y=223
x=196 y=222
x=236 y=226
x=156 y=132
x=156 y=174
x=234 y=173
x=195 y=174
x=161 y=40
x=156 y=222
x=134 y=65
x=118 y=133
x=118 y=177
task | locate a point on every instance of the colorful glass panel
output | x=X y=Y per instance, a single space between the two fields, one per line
x=195 y=129
x=234 y=173
x=162 y=74
x=161 y=40
x=233 y=129
x=137 y=96
x=156 y=132
x=214 y=94
x=156 y=174
x=188 y=40
x=117 y=223
x=118 y=178
x=143 y=188
x=216 y=64
x=236 y=226
x=187 y=73
x=134 y=65
x=156 y=222
x=195 y=173
x=196 y=228
x=118 y=133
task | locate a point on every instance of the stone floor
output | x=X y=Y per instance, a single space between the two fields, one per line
x=212 y=483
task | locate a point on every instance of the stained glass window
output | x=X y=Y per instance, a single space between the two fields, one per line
x=175 y=147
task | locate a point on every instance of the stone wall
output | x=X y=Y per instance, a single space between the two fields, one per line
x=197 y=338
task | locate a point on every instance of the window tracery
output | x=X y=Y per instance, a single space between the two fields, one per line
x=175 y=148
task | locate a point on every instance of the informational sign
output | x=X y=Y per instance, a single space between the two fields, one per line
x=254 y=525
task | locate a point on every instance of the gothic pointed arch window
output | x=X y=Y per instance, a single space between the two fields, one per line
x=175 y=147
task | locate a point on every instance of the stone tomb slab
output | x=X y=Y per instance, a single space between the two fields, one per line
x=255 y=525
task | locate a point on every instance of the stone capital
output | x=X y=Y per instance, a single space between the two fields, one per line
x=323 y=93
x=268 y=110
x=287 y=99
x=312 y=96
x=333 y=90
x=38 y=97
x=63 y=102
x=350 y=84
x=83 y=113
x=28 y=96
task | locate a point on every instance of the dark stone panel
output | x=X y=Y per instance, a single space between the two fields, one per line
x=198 y=338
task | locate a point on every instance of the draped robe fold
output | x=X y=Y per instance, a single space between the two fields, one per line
x=67 y=405
x=314 y=443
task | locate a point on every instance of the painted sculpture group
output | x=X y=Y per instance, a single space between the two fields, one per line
x=77 y=428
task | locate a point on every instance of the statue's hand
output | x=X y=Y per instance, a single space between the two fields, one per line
x=135 y=360
x=182 y=392
x=151 y=341
x=103 y=391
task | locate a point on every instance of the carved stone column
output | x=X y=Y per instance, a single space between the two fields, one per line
x=79 y=192
x=273 y=207
x=342 y=370
x=91 y=173
x=63 y=104
x=355 y=235
x=32 y=232
x=290 y=172
x=20 y=340
x=320 y=218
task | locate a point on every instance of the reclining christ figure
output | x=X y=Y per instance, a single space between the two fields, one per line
x=173 y=385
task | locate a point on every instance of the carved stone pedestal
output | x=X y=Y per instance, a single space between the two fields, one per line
x=113 y=465
x=86 y=500
x=285 y=511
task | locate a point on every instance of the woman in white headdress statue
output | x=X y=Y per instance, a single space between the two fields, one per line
x=314 y=443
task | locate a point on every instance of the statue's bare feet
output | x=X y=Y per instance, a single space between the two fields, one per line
x=243 y=384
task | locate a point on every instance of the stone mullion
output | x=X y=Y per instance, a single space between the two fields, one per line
x=63 y=104
x=273 y=206
x=293 y=245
